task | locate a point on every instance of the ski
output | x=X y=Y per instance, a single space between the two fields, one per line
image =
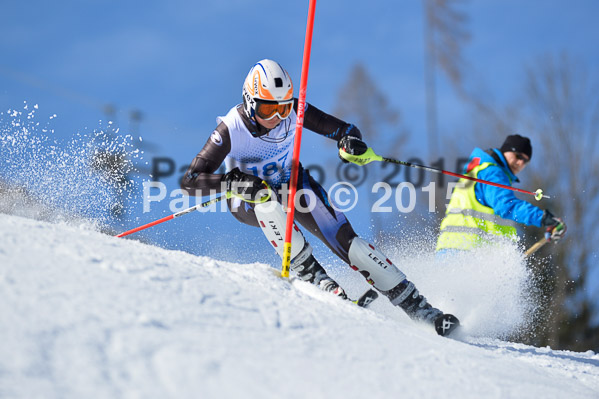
x=366 y=298
x=446 y=324
x=363 y=301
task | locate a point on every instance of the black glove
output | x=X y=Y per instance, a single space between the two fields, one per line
x=352 y=145
x=556 y=228
x=245 y=186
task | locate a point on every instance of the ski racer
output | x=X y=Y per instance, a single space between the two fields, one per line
x=255 y=140
x=479 y=213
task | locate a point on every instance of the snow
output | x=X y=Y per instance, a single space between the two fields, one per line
x=85 y=315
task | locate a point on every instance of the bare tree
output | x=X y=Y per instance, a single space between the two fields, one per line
x=445 y=34
x=361 y=102
x=559 y=109
x=562 y=115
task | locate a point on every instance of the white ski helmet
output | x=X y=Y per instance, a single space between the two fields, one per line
x=269 y=84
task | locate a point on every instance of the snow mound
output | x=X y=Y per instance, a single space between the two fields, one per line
x=87 y=315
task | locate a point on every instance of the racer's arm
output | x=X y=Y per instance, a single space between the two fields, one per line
x=327 y=125
x=199 y=179
x=503 y=201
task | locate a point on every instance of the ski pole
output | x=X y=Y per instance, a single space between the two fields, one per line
x=536 y=246
x=227 y=195
x=370 y=156
x=176 y=215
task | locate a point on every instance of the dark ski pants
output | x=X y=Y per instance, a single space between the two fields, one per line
x=329 y=225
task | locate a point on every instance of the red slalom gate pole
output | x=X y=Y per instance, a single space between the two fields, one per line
x=299 y=125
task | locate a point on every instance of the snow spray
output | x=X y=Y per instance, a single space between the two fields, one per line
x=490 y=289
x=87 y=177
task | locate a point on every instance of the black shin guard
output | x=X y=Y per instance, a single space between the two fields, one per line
x=406 y=296
x=307 y=268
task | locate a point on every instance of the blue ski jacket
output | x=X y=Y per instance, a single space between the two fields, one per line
x=503 y=201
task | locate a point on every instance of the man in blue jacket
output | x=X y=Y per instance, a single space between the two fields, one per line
x=480 y=213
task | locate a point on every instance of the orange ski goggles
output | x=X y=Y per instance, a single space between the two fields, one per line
x=269 y=109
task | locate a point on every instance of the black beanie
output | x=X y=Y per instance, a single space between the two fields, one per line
x=517 y=143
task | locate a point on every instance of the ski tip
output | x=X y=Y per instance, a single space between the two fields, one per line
x=446 y=324
x=367 y=298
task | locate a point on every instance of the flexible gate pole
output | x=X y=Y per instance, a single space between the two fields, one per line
x=299 y=124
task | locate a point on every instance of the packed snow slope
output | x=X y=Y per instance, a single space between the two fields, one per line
x=85 y=315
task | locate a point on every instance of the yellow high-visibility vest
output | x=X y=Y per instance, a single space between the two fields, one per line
x=468 y=223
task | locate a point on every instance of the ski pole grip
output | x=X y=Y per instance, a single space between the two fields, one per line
x=362 y=159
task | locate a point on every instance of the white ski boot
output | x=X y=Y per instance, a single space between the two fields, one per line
x=272 y=220
x=387 y=278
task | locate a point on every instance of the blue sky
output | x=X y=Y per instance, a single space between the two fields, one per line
x=182 y=63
